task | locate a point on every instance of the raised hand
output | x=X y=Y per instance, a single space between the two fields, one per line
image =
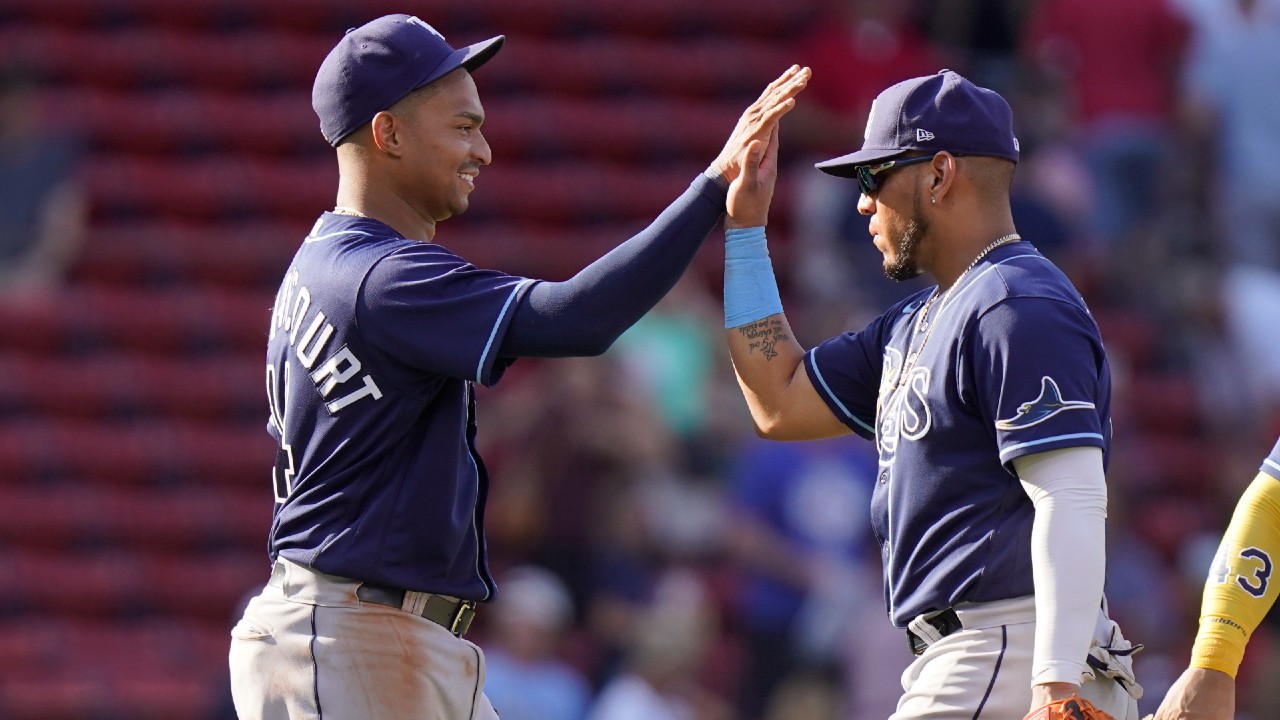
x=759 y=119
x=752 y=191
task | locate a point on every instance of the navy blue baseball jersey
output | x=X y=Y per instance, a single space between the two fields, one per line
x=374 y=347
x=1010 y=364
x=1271 y=465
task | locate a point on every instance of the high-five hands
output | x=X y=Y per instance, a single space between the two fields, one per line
x=760 y=119
x=752 y=191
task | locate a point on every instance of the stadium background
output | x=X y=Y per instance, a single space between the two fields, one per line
x=134 y=486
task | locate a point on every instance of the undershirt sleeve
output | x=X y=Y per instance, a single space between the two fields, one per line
x=585 y=314
x=1241 y=587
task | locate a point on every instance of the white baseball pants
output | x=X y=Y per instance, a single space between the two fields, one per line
x=984 y=670
x=307 y=648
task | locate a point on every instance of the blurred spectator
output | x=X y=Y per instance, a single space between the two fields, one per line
x=1252 y=301
x=672 y=353
x=526 y=679
x=800 y=534
x=982 y=32
x=42 y=206
x=571 y=441
x=858 y=48
x=1233 y=109
x=667 y=648
x=1117 y=64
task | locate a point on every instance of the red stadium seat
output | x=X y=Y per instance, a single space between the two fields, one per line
x=251 y=255
x=211 y=587
x=61 y=516
x=96 y=584
x=187 y=518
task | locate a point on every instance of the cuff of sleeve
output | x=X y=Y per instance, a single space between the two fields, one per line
x=1060 y=672
x=717 y=179
x=1216 y=649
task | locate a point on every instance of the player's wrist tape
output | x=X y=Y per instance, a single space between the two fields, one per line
x=750 y=288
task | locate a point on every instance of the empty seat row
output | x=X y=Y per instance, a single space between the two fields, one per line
x=71 y=667
x=187 y=120
x=251 y=255
x=152 y=453
x=112 y=385
x=217 y=188
x=126 y=188
x=640 y=129
x=179 y=520
x=713 y=66
x=759 y=18
x=731 y=69
x=145 y=56
x=95 y=584
x=161 y=320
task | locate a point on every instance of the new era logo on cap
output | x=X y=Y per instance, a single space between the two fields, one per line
x=932 y=113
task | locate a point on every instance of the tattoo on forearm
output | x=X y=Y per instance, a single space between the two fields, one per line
x=764 y=335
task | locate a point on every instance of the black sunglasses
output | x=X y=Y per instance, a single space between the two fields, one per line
x=866 y=174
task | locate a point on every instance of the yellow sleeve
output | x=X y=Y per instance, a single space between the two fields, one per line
x=1242 y=585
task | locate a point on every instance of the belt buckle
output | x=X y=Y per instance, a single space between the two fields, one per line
x=915 y=644
x=462 y=617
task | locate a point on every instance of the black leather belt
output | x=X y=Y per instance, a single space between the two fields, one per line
x=945 y=622
x=453 y=615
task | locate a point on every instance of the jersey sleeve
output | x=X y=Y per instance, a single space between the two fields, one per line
x=846 y=370
x=1241 y=587
x=1036 y=371
x=434 y=311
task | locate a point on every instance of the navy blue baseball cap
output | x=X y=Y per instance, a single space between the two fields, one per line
x=375 y=65
x=932 y=113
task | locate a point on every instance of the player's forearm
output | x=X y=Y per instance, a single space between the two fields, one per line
x=1068 y=555
x=585 y=314
x=765 y=358
x=764 y=350
x=1241 y=587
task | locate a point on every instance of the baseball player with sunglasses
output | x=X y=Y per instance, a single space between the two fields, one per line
x=377 y=337
x=988 y=399
x=1241 y=588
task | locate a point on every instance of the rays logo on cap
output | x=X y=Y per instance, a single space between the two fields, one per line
x=871 y=121
x=416 y=21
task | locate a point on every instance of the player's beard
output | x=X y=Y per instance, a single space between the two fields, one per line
x=905 y=264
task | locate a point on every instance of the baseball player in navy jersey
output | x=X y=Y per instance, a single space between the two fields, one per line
x=988 y=398
x=1240 y=590
x=377 y=337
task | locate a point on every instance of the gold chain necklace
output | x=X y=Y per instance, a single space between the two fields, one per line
x=339 y=210
x=922 y=323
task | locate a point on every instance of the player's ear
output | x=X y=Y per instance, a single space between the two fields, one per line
x=942 y=172
x=386 y=130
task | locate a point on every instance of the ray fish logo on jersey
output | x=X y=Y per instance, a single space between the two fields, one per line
x=1049 y=403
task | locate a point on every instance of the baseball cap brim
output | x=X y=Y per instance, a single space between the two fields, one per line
x=469 y=57
x=845 y=165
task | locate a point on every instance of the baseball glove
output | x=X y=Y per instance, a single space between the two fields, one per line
x=1072 y=708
